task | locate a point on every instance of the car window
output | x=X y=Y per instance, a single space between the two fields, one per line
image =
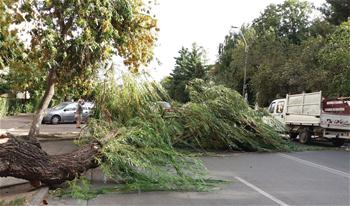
x=60 y=106
x=71 y=107
x=272 y=107
x=164 y=105
x=280 y=107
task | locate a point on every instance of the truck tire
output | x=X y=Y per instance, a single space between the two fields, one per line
x=305 y=136
x=338 y=142
x=293 y=135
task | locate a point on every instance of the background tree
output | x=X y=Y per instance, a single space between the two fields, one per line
x=289 y=20
x=336 y=11
x=70 y=40
x=287 y=54
x=335 y=61
x=188 y=66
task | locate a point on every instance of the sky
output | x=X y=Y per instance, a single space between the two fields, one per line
x=205 y=22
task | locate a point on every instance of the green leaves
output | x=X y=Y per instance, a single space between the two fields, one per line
x=189 y=65
x=74 y=39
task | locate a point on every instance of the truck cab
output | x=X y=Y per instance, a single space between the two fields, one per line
x=277 y=109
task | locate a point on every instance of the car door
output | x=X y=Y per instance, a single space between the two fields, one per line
x=69 y=112
x=86 y=112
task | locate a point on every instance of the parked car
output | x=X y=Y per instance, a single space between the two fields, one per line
x=65 y=112
x=166 y=106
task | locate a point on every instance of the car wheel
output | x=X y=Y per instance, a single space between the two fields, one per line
x=305 y=136
x=55 y=119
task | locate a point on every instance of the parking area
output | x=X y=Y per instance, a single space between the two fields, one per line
x=21 y=124
x=302 y=178
x=299 y=178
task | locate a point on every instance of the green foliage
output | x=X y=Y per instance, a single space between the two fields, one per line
x=79 y=188
x=189 y=65
x=289 y=20
x=336 y=11
x=335 y=58
x=3 y=107
x=219 y=118
x=70 y=41
x=288 y=53
x=19 y=201
x=137 y=138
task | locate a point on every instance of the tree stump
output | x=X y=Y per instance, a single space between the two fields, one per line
x=23 y=158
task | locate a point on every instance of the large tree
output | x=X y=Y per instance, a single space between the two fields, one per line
x=336 y=11
x=188 y=66
x=335 y=61
x=283 y=51
x=69 y=41
x=289 y=20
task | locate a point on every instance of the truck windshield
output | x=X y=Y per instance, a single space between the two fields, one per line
x=272 y=107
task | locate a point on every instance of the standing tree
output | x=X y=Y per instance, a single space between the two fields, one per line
x=336 y=11
x=69 y=41
x=289 y=20
x=335 y=60
x=188 y=66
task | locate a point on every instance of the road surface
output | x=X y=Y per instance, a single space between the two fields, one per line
x=303 y=178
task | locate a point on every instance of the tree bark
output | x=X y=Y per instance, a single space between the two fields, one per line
x=22 y=158
x=44 y=103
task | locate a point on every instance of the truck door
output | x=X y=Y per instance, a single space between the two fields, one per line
x=279 y=114
x=276 y=109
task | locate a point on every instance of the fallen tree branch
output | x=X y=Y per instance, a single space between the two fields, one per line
x=23 y=158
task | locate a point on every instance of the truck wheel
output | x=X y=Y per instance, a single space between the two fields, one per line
x=55 y=119
x=338 y=142
x=305 y=136
x=293 y=135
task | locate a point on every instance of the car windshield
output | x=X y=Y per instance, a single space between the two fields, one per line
x=60 y=106
x=164 y=105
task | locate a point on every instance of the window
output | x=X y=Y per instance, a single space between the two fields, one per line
x=280 y=107
x=71 y=107
x=272 y=107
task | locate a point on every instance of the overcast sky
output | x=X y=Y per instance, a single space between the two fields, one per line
x=205 y=22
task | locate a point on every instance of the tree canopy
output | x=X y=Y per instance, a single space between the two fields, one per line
x=289 y=52
x=71 y=40
x=188 y=66
x=336 y=11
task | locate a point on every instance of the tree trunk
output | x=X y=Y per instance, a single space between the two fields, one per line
x=24 y=159
x=44 y=103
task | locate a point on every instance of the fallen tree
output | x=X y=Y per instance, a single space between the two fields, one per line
x=21 y=157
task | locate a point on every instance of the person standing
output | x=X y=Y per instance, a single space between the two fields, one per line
x=79 y=113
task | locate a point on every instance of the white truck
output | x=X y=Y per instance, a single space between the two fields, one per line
x=309 y=115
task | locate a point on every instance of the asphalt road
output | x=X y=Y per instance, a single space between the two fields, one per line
x=302 y=178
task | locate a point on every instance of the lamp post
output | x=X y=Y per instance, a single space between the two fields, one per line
x=244 y=92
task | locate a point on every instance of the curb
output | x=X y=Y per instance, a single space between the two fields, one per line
x=14 y=184
x=39 y=196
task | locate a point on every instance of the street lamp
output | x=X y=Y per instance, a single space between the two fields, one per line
x=244 y=93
